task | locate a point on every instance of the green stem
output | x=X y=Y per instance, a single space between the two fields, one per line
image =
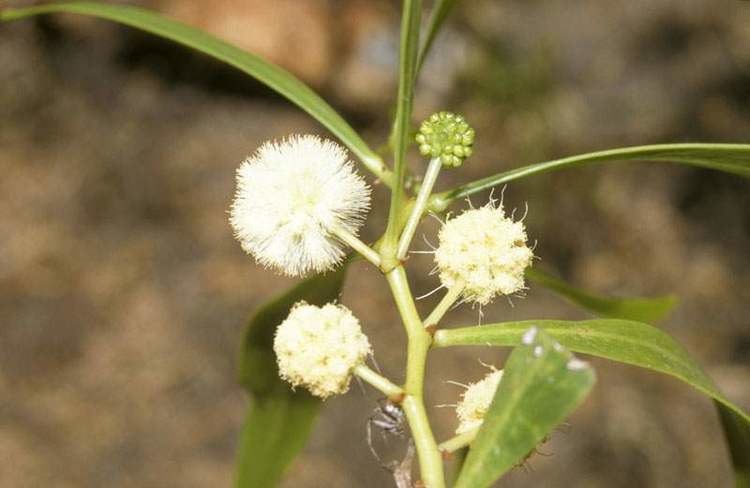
x=355 y=243
x=410 y=20
x=447 y=301
x=430 y=460
x=461 y=440
x=430 y=177
x=392 y=391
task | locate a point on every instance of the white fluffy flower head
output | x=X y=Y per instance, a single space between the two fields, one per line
x=485 y=252
x=475 y=402
x=290 y=194
x=319 y=347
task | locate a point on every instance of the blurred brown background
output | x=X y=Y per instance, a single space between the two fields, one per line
x=123 y=294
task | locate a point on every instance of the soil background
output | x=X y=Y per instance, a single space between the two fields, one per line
x=123 y=294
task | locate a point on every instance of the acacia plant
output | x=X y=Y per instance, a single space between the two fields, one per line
x=299 y=206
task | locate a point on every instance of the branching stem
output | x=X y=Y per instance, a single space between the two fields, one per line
x=430 y=460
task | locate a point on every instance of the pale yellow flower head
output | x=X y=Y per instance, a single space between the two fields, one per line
x=485 y=252
x=319 y=347
x=475 y=402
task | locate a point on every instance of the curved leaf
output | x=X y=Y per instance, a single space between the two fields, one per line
x=731 y=158
x=279 y=420
x=542 y=384
x=628 y=342
x=276 y=429
x=737 y=434
x=635 y=308
x=625 y=341
x=269 y=74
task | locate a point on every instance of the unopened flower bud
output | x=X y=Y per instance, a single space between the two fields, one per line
x=446 y=136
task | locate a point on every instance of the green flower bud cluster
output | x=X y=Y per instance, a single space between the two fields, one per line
x=446 y=136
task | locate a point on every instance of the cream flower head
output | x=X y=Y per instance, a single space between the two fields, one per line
x=290 y=195
x=483 y=251
x=476 y=400
x=319 y=347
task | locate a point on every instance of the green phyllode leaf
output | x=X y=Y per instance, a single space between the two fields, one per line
x=628 y=342
x=269 y=74
x=634 y=308
x=737 y=434
x=730 y=158
x=542 y=384
x=279 y=420
x=440 y=11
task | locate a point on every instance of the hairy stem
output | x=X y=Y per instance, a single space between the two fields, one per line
x=430 y=460
x=430 y=176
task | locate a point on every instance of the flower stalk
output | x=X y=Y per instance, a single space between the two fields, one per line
x=394 y=392
x=355 y=243
x=457 y=442
x=444 y=305
x=430 y=177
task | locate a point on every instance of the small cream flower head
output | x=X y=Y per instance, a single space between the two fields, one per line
x=485 y=252
x=319 y=347
x=290 y=194
x=475 y=402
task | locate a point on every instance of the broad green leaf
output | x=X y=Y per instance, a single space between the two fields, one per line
x=542 y=384
x=279 y=420
x=731 y=158
x=628 y=342
x=440 y=11
x=269 y=74
x=635 y=308
x=276 y=429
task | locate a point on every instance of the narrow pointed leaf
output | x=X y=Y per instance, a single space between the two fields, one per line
x=279 y=420
x=737 y=434
x=628 y=342
x=634 y=308
x=440 y=11
x=267 y=73
x=541 y=386
x=276 y=428
x=730 y=158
